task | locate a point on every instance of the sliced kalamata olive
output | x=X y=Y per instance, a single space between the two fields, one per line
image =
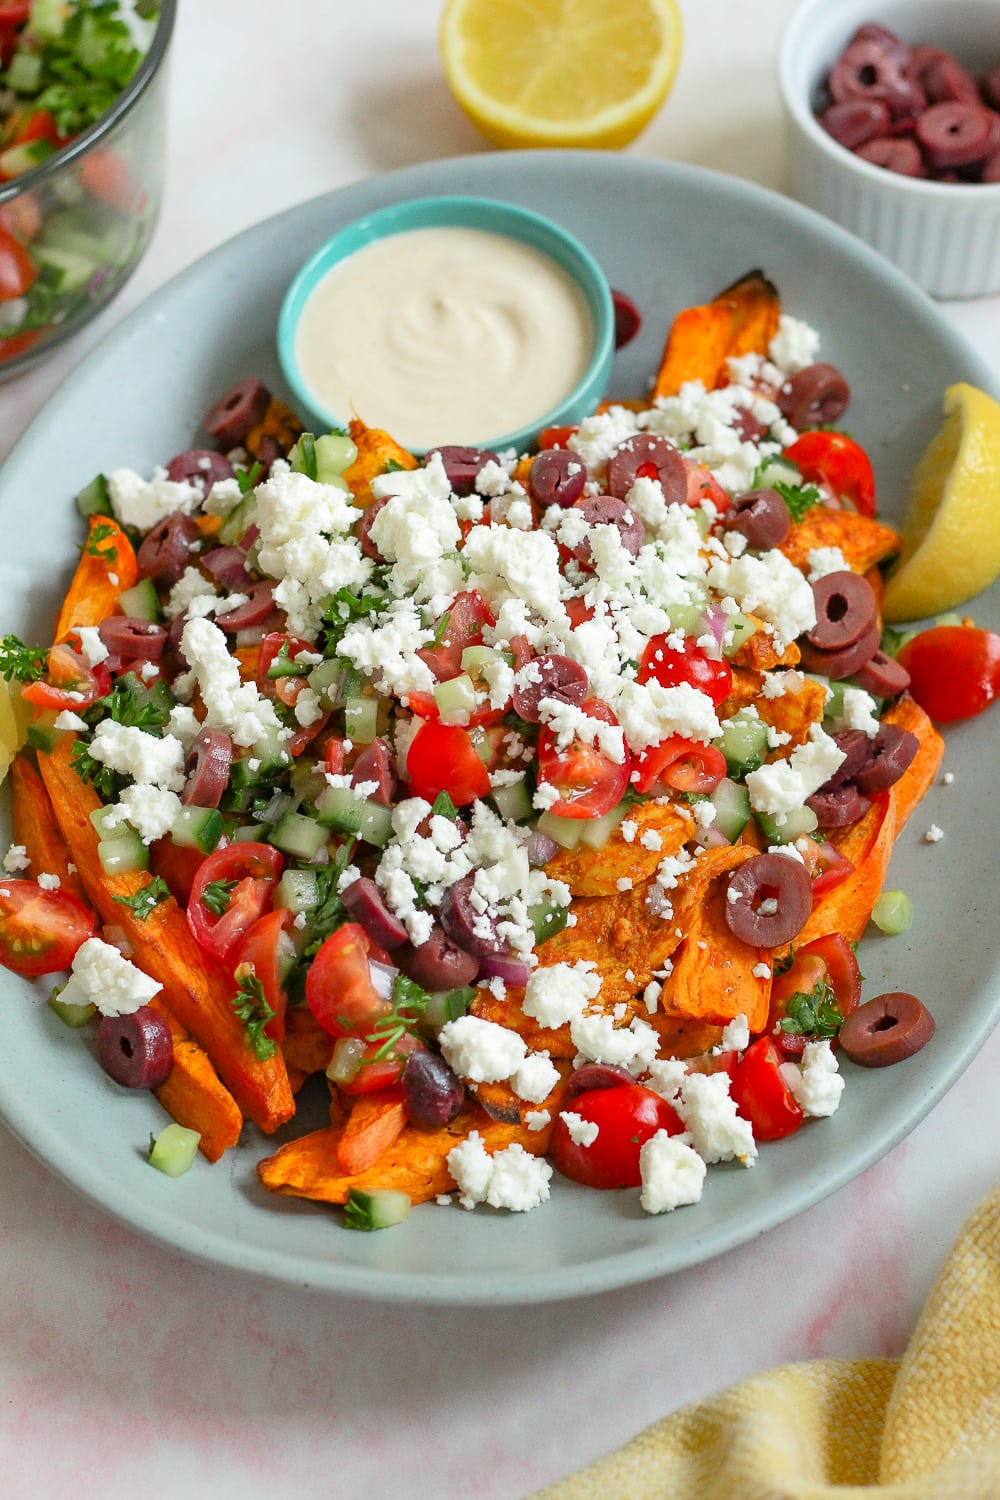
x=902 y=156
x=596 y=1076
x=364 y=903
x=846 y=609
x=759 y=515
x=606 y=510
x=746 y=424
x=202 y=464
x=768 y=900
x=540 y=849
x=137 y=1050
x=650 y=457
x=944 y=80
x=844 y=663
x=991 y=169
x=954 y=133
x=437 y=964
x=627 y=318
x=890 y=752
x=462 y=465
x=228 y=565
x=867 y=69
x=368 y=515
x=254 y=611
x=991 y=86
x=883 y=676
x=128 y=637
x=855 y=745
x=890 y=43
x=556 y=477
x=175 y=633
x=268 y=449
x=550 y=676
x=856 y=120
x=207 y=768
x=814 y=397
x=886 y=1030
x=235 y=414
x=465 y=924
x=838 y=808
x=168 y=549
x=432 y=1094
x=376 y=764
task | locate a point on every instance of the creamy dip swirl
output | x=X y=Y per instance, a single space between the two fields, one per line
x=444 y=335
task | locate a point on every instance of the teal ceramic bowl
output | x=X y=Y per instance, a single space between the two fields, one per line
x=484 y=214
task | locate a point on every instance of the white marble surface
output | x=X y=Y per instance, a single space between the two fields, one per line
x=124 y=1370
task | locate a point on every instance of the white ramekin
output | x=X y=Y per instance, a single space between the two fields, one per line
x=944 y=235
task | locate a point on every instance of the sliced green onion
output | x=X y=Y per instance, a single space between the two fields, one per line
x=893 y=912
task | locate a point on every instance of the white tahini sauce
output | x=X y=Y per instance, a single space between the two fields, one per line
x=444 y=335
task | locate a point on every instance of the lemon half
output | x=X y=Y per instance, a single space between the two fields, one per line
x=951 y=534
x=560 y=72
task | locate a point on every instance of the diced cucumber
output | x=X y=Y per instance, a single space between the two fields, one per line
x=141 y=602
x=24 y=72
x=93 y=499
x=375 y=1208
x=689 y=617
x=777 y=471
x=173 y=1151
x=475 y=658
x=297 y=891
x=893 y=913
x=327 y=679
x=798 y=821
x=547 y=918
x=340 y=808
x=731 y=801
x=270 y=751
x=42 y=733
x=302 y=457
x=446 y=1005
x=361 y=719
x=47 y=19
x=76 y=269
x=198 y=828
x=307 y=782
x=565 y=831
x=743 y=742
x=298 y=835
x=18 y=159
x=71 y=1015
x=376 y=823
x=236 y=521
x=513 y=801
x=123 y=853
x=335 y=452
x=249 y=833
x=739 y=629
x=456 y=699
x=596 y=832
x=106 y=824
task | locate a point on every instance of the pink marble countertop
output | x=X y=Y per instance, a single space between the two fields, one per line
x=125 y=1370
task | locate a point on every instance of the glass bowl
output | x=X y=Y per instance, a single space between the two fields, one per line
x=85 y=214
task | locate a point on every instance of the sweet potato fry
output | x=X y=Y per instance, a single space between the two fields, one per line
x=619 y=933
x=376 y=449
x=374 y=1124
x=848 y=906
x=742 y=319
x=279 y=426
x=416 y=1164
x=194 y=1095
x=682 y=1037
x=106 y=566
x=307 y=1047
x=799 y=706
x=863 y=542
x=588 y=873
x=556 y=1041
x=502 y=1104
x=758 y=653
x=712 y=979
x=35 y=826
x=923 y=768
x=199 y=994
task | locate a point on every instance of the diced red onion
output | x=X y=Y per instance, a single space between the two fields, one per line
x=540 y=849
x=715 y=621
x=383 y=978
x=513 y=971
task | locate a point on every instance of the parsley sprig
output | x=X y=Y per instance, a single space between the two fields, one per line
x=250 y=1005
x=328 y=914
x=130 y=702
x=21 y=663
x=106 y=783
x=84 y=68
x=344 y=608
x=103 y=531
x=216 y=896
x=409 y=1001
x=815 y=1014
x=146 y=900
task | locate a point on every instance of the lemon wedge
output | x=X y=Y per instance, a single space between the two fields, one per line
x=951 y=534
x=12 y=721
x=560 y=72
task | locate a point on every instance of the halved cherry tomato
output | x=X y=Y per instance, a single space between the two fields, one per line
x=684 y=765
x=71 y=683
x=954 y=670
x=703 y=485
x=109 y=178
x=18 y=271
x=266 y=948
x=462 y=627
x=378 y=1072
x=339 y=988
x=14 y=12
x=274 y=645
x=762 y=1096
x=555 y=437
x=255 y=868
x=670 y=667
x=37 y=125
x=578 y=610
x=825 y=863
x=828 y=960
x=834 y=459
x=40 y=931
x=589 y=782
x=626 y=1117
x=442 y=758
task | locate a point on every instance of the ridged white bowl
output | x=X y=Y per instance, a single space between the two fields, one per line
x=944 y=235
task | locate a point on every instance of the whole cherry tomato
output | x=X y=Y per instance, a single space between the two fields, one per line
x=954 y=670
x=626 y=1117
x=834 y=459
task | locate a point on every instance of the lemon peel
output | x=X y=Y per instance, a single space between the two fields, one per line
x=12 y=725
x=560 y=72
x=951 y=532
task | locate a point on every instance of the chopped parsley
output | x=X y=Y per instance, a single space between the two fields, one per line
x=250 y=1005
x=798 y=497
x=328 y=913
x=393 y=466
x=216 y=896
x=79 y=69
x=247 y=478
x=103 y=531
x=444 y=807
x=146 y=900
x=409 y=1001
x=102 y=778
x=131 y=702
x=344 y=608
x=815 y=1014
x=21 y=663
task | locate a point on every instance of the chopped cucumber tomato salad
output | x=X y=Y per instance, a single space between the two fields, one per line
x=63 y=63
x=515 y=783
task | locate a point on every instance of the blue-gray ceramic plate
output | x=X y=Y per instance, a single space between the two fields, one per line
x=669 y=236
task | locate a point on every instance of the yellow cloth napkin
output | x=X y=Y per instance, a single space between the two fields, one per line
x=926 y=1427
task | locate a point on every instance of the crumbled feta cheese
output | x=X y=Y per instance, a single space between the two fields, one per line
x=68 y=720
x=794 y=346
x=736 y=1035
x=101 y=976
x=556 y=994
x=151 y=810
x=537 y=1119
x=16 y=859
x=821 y=561
x=145 y=757
x=934 y=834
x=48 y=882
x=783 y=785
x=92 y=648
x=481 y=1050
x=708 y=1110
x=234 y=706
x=672 y=1172
x=536 y=1077
x=581 y=1132
x=142 y=503
x=817 y=1084
x=511 y=1178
